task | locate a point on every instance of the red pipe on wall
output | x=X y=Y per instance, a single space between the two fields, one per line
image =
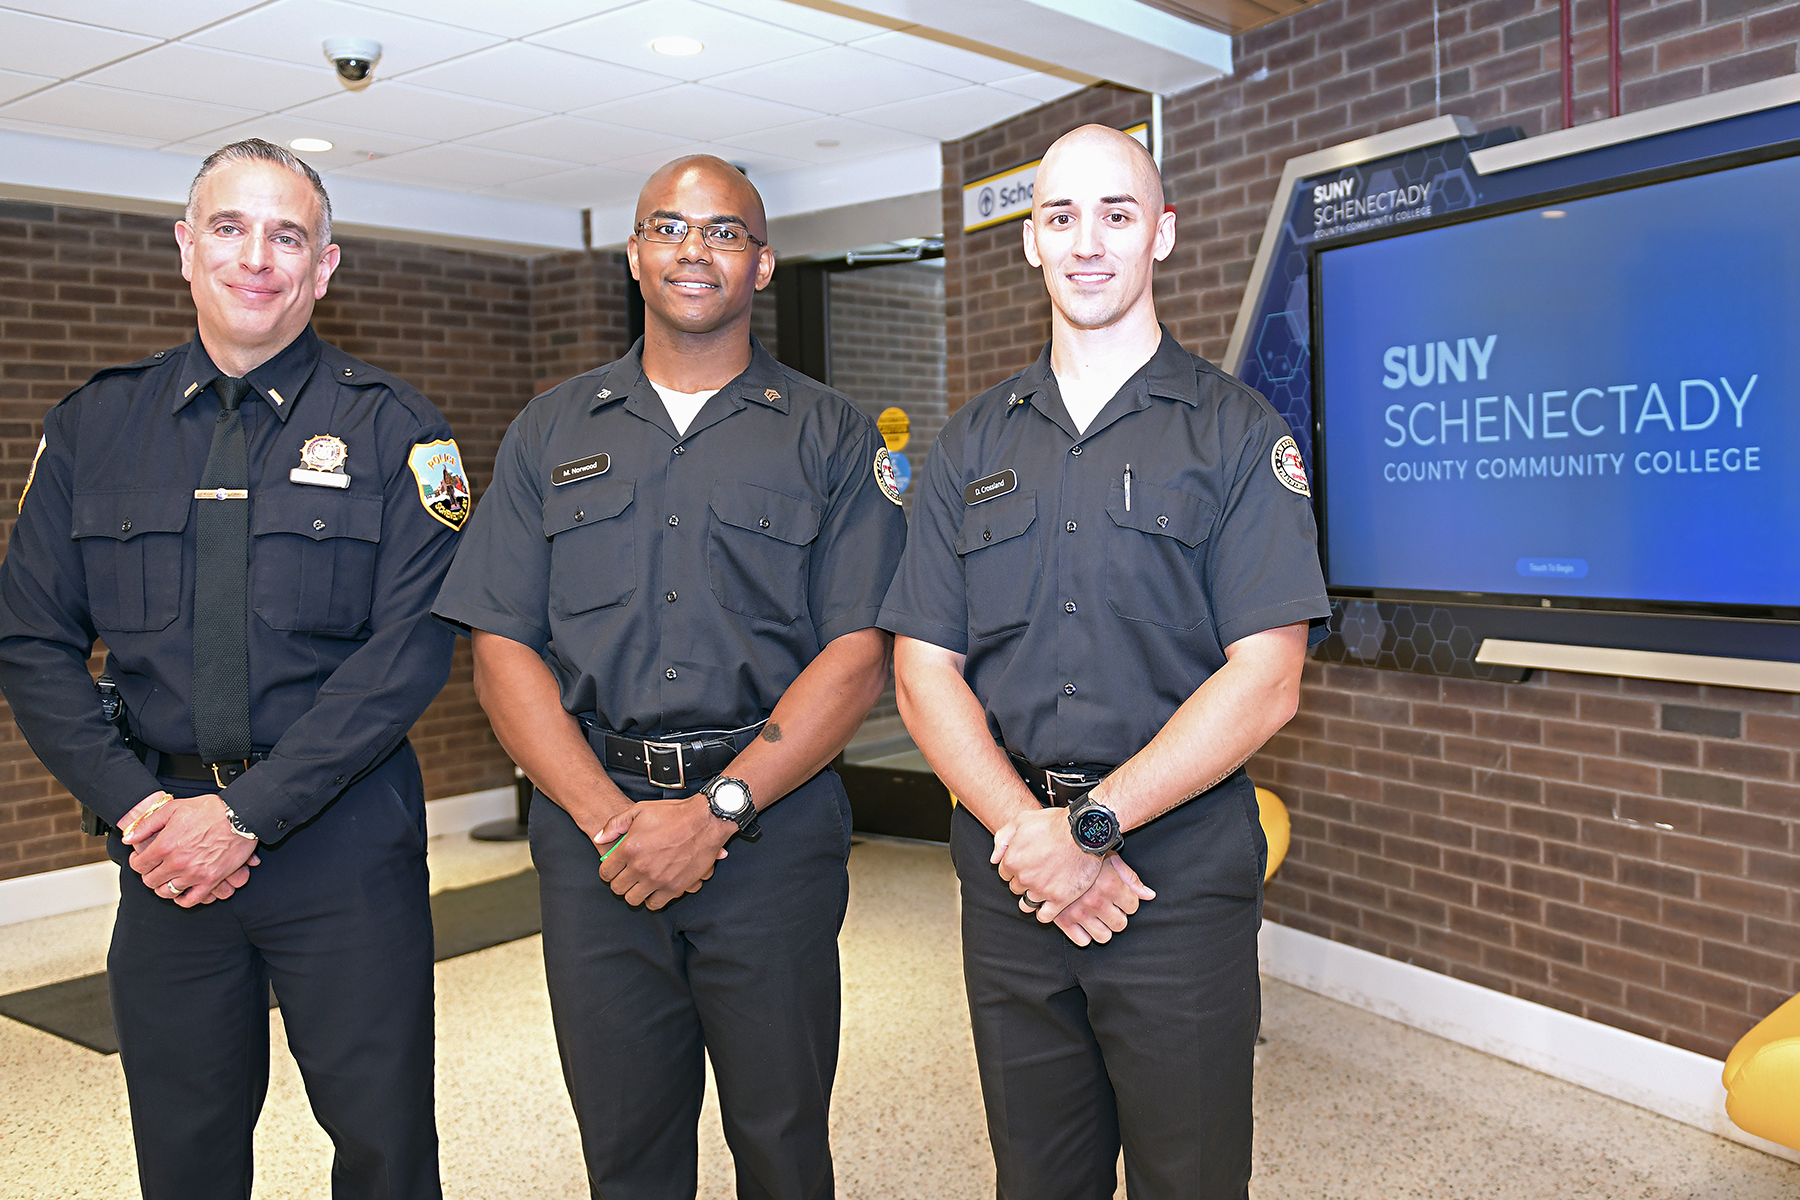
x=1568 y=68
x=1616 y=67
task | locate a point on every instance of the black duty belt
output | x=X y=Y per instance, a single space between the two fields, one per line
x=1058 y=787
x=195 y=769
x=680 y=761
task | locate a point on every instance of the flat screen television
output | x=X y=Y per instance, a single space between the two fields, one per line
x=1592 y=401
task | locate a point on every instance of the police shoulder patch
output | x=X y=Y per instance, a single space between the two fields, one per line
x=1289 y=467
x=443 y=484
x=884 y=475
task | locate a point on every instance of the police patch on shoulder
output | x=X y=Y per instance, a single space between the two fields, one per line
x=443 y=486
x=1289 y=467
x=884 y=475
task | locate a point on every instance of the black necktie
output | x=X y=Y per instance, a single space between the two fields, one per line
x=221 y=616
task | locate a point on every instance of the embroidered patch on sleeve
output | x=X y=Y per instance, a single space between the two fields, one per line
x=1289 y=467
x=884 y=475
x=443 y=484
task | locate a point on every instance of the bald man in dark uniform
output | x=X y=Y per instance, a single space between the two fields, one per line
x=672 y=588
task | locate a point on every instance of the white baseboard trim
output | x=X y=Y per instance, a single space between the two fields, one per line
x=1665 y=1079
x=93 y=885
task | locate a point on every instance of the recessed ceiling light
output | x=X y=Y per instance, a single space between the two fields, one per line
x=1553 y=214
x=677 y=45
x=827 y=143
x=310 y=145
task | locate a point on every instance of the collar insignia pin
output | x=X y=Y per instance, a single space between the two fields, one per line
x=772 y=394
x=322 y=462
x=604 y=393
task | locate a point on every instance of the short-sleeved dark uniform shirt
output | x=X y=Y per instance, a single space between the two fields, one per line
x=343 y=653
x=1085 y=623
x=676 y=583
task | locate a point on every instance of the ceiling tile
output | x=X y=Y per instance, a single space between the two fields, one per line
x=14 y=84
x=191 y=72
x=693 y=112
x=348 y=145
x=161 y=20
x=41 y=46
x=951 y=60
x=799 y=18
x=756 y=163
x=295 y=31
x=838 y=77
x=732 y=42
x=519 y=73
x=585 y=187
x=110 y=110
x=948 y=115
x=507 y=20
x=854 y=140
x=1040 y=87
x=587 y=143
x=85 y=135
x=414 y=111
x=459 y=168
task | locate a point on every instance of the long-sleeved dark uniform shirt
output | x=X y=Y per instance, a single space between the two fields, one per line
x=1088 y=619
x=676 y=583
x=343 y=653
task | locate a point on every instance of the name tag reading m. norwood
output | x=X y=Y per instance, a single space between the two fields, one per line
x=580 y=468
x=993 y=485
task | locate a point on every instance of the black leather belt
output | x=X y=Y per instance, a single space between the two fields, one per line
x=684 y=761
x=1058 y=787
x=197 y=770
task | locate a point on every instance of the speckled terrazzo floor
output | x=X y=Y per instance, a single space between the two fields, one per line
x=1349 y=1106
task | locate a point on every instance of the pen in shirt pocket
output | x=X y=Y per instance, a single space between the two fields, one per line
x=1127 y=481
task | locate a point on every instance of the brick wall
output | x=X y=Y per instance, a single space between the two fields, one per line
x=478 y=333
x=1620 y=849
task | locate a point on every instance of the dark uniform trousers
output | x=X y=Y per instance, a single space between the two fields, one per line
x=744 y=971
x=1151 y=1035
x=337 y=918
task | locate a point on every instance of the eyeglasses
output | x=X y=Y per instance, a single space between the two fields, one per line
x=674 y=231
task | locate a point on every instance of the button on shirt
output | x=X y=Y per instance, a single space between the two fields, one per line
x=684 y=584
x=1086 y=624
x=343 y=654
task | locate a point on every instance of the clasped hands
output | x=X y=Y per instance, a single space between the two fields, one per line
x=673 y=847
x=188 y=843
x=1087 y=897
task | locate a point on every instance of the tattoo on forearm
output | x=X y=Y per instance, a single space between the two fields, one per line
x=1221 y=778
x=771 y=732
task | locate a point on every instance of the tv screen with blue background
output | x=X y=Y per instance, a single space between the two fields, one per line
x=1590 y=399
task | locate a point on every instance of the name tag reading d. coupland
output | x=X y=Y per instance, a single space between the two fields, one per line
x=580 y=468
x=993 y=485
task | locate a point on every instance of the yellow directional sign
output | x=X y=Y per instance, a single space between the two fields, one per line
x=896 y=428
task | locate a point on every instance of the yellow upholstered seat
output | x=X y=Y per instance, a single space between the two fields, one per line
x=1275 y=828
x=1762 y=1077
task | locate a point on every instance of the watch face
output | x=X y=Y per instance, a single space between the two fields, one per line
x=730 y=797
x=1094 y=828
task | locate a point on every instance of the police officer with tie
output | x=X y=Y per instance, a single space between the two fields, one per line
x=1102 y=612
x=255 y=524
x=672 y=588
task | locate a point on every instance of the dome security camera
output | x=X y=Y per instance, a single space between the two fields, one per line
x=354 y=58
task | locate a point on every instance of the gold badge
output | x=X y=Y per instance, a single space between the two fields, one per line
x=322 y=461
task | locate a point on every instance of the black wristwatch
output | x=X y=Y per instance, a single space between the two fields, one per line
x=1095 y=827
x=730 y=800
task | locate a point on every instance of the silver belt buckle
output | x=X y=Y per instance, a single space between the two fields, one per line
x=1070 y=779
x=674 y=748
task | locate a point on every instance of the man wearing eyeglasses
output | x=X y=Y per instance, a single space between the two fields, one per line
x=672 y=588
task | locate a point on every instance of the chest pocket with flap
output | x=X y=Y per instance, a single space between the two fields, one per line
x=312 y=558
x=131 y=554
x=1001 y=567
x=1153 y=567
x=756 y=550
x=593 y=557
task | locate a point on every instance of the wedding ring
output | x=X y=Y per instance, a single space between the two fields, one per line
x=174 y=892
x=1031 y=904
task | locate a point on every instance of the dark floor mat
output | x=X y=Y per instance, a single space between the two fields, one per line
x=463 y=921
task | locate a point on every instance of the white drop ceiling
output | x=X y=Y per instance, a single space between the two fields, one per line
x=546 y=102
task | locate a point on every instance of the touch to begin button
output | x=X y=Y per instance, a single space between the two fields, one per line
x=1553 y=568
